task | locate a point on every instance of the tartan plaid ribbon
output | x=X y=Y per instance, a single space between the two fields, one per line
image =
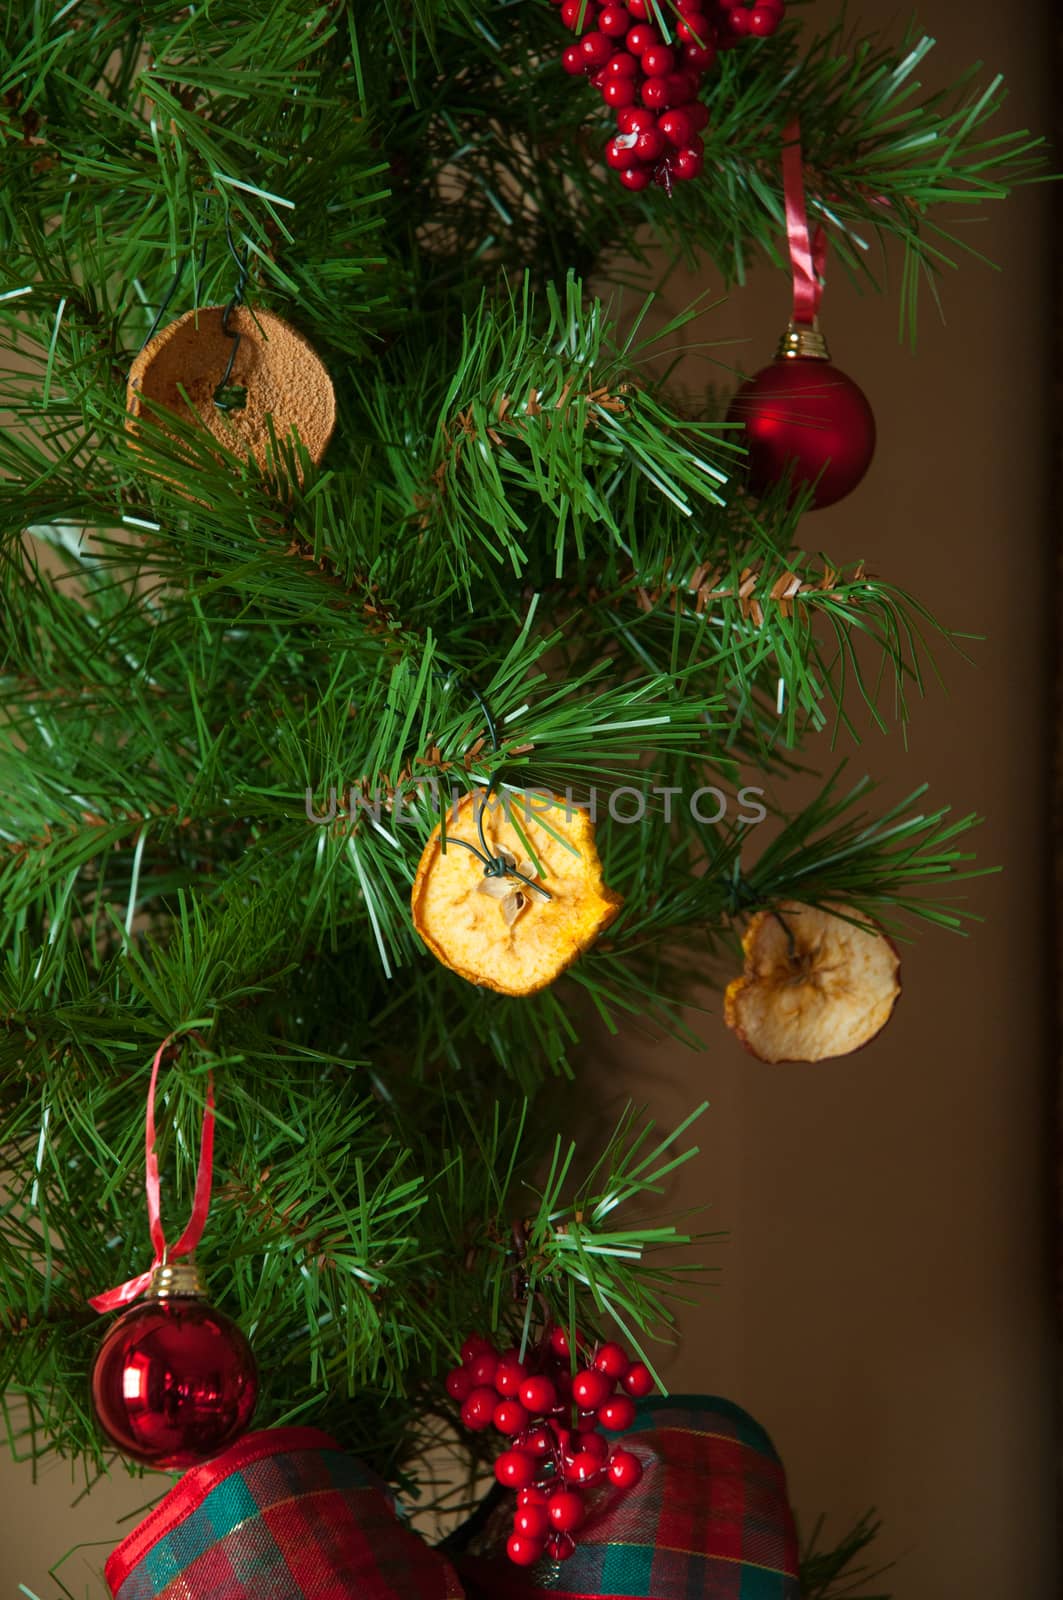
x=284 y=1514
x=709 y=1519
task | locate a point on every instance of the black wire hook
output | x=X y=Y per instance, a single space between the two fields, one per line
x=227 y=396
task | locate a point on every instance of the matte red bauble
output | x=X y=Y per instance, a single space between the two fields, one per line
x=174 y=1381
x=804 y=416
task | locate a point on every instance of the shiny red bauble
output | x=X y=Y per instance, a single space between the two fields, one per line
x=803 y=416
x=174 y=1382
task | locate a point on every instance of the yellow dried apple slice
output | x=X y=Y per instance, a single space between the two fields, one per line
x=814 y=987
x=499 y=931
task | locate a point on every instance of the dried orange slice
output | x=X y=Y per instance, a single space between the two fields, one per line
x=499 y=931
x=814 y=986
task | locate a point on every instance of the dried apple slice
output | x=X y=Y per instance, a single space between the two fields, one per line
x=499 y=931
x=814 y=987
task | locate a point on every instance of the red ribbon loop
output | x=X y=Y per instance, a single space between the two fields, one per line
x=808 y=255
x=111 y=1299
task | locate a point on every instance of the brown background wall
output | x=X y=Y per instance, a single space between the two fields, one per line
x=885 y=1300
x=885 y=1304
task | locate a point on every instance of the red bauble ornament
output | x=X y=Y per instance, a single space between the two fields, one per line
x=803 y=415
x=174 y=1381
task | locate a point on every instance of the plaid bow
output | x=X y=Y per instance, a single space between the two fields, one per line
x=284 y=1514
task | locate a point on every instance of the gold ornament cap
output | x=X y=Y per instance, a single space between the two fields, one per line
x=175 y=1280
x=803 y=341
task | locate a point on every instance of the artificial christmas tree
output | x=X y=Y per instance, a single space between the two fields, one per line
x=250 y=674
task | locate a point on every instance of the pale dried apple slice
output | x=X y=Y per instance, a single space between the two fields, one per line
x=499 y=931
x=814 y=987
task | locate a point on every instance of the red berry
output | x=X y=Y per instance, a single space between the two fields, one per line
x=619 y=92
x=698 y=114
x=634 y=178
x=611 y=1358
x=539 y=1442
x=509 y=1375
x=459 y=1383
x=641 y=37
x=620 y=154
x=658 y=60
x=696 y=59
x=677 y=126
x=639 y=9
x=532 y=1521
x=578 y=15
x=635 y=119
x=655 y=93
x=478 y=1410
x=559 y=1341
x=515 y=1470
x=617 y=1413
x=695 y=27
x=638 y=1380
x=475 y=1345
x=532 y=1496
x=738 y=22
x=523 y=1552
x=650 y=146
x=538 y=1396
x=620 y=65
x=690 y=8
x=596 y=48
x=683 y=86
x=614 y=20
x=510 y=1417
x=590 y=1389
x=688 y=162
x=572 y=59
x=763 y=22
x=560 y=1546
x=562 y=1434
x=566 y=1511
x=583 y=1467
x=625 y=1469
x=594 y=1444
x=483 y=1368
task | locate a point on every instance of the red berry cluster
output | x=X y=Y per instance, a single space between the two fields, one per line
x=549 y=1461
x=653 y=86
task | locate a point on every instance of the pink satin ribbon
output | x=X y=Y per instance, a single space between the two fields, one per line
x=808 y=254
x=111 y=1299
